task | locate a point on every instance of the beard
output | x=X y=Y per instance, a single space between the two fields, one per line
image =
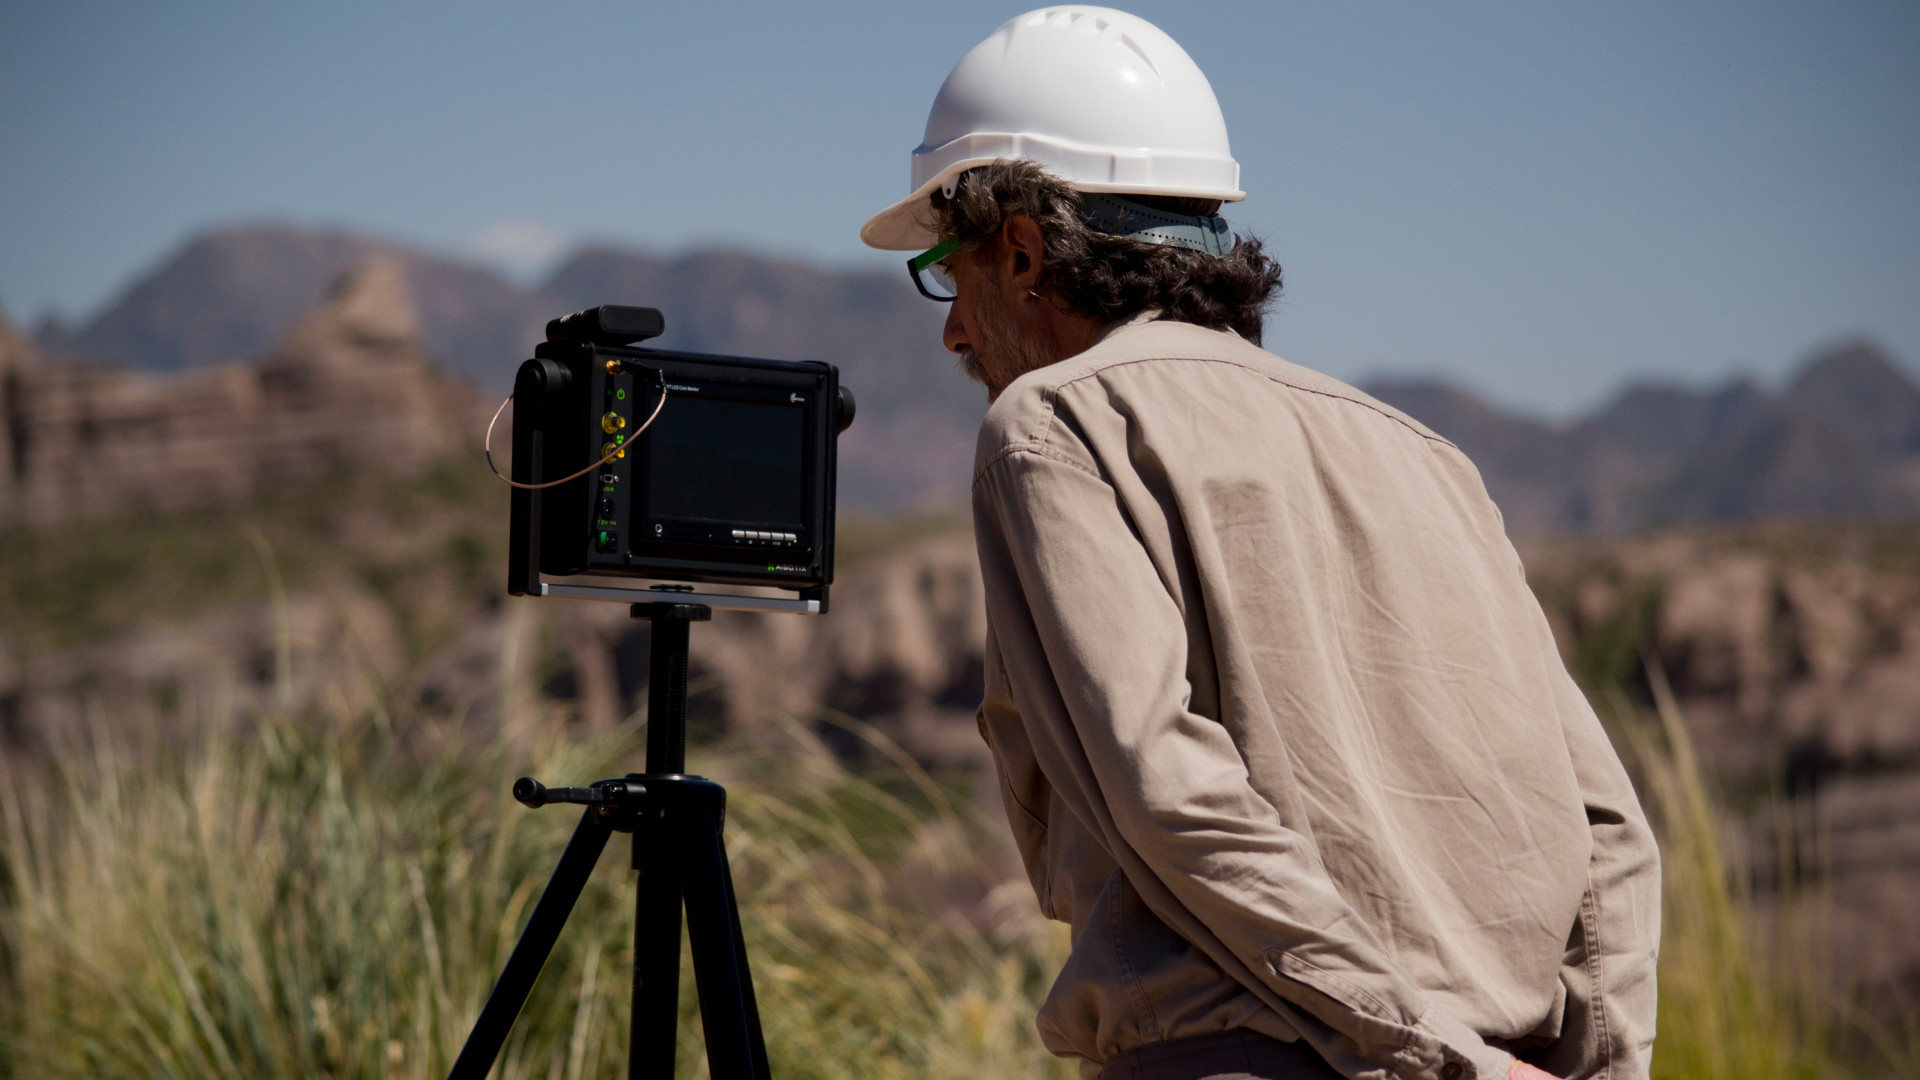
x=1003 y=353
x=970 y=363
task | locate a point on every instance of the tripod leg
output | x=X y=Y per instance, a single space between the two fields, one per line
x=654 y=1026
x=530 y=953
x=757 y=1038
x=736 y=1049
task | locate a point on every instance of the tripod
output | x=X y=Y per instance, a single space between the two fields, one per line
x=675 y=821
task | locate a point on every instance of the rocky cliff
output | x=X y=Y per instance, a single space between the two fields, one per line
x=349 y=384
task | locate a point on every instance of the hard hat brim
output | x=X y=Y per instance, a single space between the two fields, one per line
x=909 y=225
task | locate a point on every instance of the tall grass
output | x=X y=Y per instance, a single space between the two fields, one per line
x=1739 y=997
x=331 y=894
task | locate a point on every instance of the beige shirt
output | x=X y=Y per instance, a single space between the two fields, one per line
x=1283 y=734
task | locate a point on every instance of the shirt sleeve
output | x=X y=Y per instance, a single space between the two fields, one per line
x=1614 y=949
x=1096 y=652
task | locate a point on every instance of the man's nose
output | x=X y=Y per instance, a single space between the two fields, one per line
x=955 y=335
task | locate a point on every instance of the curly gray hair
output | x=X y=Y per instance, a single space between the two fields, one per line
x=1109 y=276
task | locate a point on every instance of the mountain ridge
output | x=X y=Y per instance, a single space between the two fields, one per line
x=1840 y=439
x=230 y=294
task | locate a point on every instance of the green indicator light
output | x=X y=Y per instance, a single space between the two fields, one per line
x=619 y=395
x=619 y=440
x=770 y=566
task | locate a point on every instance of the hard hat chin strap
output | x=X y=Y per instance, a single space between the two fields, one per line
x=1116 y=216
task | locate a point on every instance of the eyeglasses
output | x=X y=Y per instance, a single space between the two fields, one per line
x=930 y=276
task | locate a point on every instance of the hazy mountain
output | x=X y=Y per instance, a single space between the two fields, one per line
x=1859 y=391
x=231 y=294
x=1842 y=439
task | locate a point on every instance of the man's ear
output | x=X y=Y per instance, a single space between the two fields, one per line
x=1023 y=250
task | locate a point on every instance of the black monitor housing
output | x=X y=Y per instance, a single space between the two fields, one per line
x=732 y=483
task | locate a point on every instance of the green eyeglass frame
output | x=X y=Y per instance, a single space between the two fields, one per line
x=924 y=261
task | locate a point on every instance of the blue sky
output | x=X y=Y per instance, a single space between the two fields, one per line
x=1538 y=200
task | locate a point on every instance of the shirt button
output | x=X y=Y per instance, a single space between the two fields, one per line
x=1451 y=1071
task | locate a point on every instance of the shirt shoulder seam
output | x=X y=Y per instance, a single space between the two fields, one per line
x=1290 y=384
x=1041 y=446
x=1037 y=448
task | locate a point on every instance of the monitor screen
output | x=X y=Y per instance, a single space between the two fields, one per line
x=713 y=459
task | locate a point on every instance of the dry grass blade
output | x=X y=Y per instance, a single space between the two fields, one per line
x=1725 y=1012
x=331 y=895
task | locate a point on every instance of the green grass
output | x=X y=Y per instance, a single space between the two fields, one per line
x=330 y=895
x=1723 y=1013
x=1743 y=996
x=396 y=536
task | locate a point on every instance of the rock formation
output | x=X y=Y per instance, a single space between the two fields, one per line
x=1795 y=657
x=900 y=650
x=16 y=367
x=351 y=383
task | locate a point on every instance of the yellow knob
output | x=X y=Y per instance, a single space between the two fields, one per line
x=612 y=450
x=613 y=367
x=612 y=422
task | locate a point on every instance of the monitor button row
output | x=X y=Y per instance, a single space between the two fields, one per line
x=769 y=537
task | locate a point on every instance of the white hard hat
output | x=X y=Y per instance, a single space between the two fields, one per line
x=1103 y=99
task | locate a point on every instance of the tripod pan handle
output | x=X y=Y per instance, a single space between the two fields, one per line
x=533 y=793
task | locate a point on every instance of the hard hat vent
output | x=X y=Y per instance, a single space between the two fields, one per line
x=1082 y=21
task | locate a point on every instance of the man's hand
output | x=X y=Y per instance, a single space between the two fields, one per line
x=1520 y=1070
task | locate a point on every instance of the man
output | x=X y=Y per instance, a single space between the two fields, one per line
x=1280 y=729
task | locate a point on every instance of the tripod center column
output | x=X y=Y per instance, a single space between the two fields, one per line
x=667 y=682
